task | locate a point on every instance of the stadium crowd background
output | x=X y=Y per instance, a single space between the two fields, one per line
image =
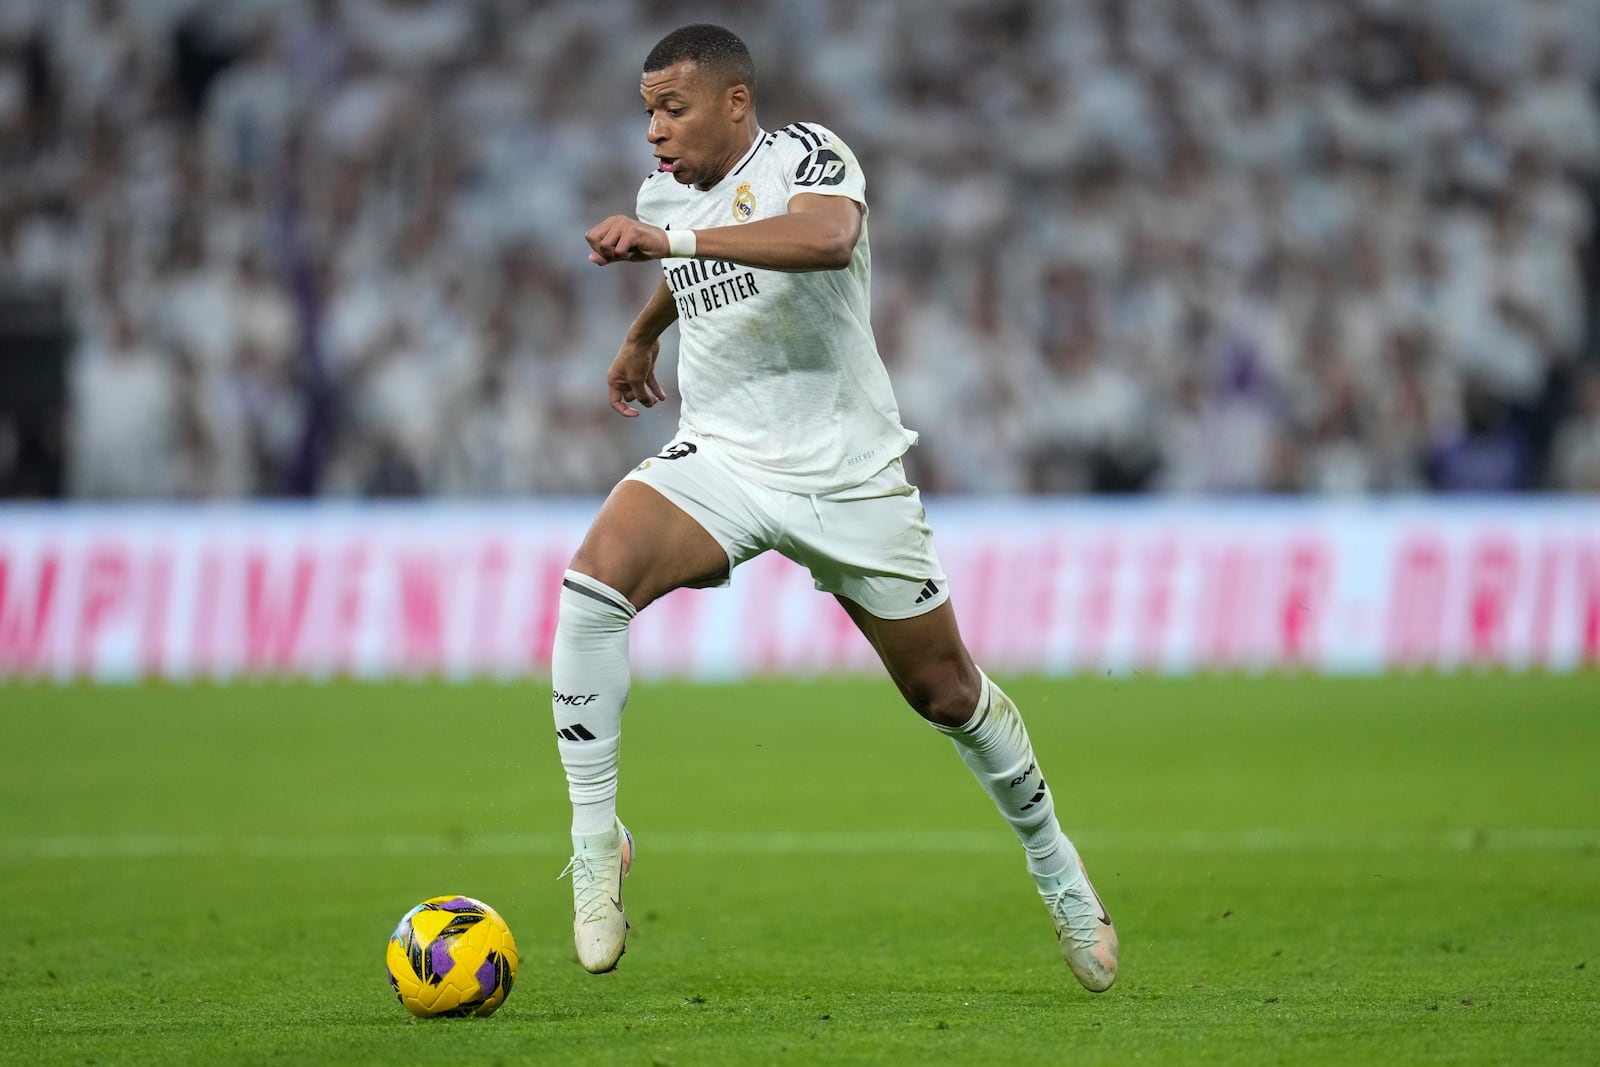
x=334 y=247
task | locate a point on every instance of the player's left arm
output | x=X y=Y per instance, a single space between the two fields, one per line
x=818 y=232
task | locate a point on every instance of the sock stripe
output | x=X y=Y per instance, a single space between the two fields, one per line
x=595 y=594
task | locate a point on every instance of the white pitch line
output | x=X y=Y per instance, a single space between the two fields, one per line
x=804 y=843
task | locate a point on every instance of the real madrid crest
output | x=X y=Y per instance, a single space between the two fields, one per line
x=744 y=203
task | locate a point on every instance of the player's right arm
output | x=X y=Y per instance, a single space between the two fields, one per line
x=816 y=233
x=632 y=377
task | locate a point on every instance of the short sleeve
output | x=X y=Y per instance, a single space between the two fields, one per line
x=821 y=163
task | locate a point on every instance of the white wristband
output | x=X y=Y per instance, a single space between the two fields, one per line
x=680 y=244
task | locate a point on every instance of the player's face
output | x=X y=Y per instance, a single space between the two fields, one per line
x=693 y=126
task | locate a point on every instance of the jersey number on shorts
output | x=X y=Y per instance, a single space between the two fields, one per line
x=678 y=450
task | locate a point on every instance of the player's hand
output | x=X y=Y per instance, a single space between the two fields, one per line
x=632 y=377
x=621 y=239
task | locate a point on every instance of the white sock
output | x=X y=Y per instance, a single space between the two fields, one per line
x=995 y=747
x=589 y=687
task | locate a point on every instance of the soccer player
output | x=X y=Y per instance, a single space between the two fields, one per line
x=790 y=439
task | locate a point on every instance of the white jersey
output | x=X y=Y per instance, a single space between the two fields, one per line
x=779 y=368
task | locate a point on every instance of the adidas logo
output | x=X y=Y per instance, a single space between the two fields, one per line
x=928 y=590
x=1036 y=797
x=575 y=732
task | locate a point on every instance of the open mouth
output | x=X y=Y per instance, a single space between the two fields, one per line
x=666 y=164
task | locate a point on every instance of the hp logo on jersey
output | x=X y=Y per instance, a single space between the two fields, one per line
x=822 y=167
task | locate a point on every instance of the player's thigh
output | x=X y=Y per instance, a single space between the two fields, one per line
x=927 y=659
x=644 y=546
x=683 y=517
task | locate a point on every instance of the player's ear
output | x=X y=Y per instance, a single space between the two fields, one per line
x=738 y=100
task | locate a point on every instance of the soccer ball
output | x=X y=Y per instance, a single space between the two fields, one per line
x=452 y=956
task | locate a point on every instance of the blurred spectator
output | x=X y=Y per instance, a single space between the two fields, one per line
x=334 y=246
x=1576 y=455
x=1490 y=452
x=126 y=414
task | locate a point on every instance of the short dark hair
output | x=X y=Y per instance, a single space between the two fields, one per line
x=713 y=49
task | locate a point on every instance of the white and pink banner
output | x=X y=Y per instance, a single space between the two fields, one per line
x=1051 y=587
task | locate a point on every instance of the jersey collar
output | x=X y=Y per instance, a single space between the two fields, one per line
x=755 y=146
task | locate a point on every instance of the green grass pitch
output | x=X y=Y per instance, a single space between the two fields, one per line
x=1303 y=870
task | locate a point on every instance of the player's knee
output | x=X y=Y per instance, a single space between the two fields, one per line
x=944 y=697
x=607 y=560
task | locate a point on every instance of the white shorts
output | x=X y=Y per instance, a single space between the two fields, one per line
x=870 y=544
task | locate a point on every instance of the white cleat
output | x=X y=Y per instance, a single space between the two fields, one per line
x=599 y=927
x=1088 y=939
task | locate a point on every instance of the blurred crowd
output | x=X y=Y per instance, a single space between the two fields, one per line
x=334 y=247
